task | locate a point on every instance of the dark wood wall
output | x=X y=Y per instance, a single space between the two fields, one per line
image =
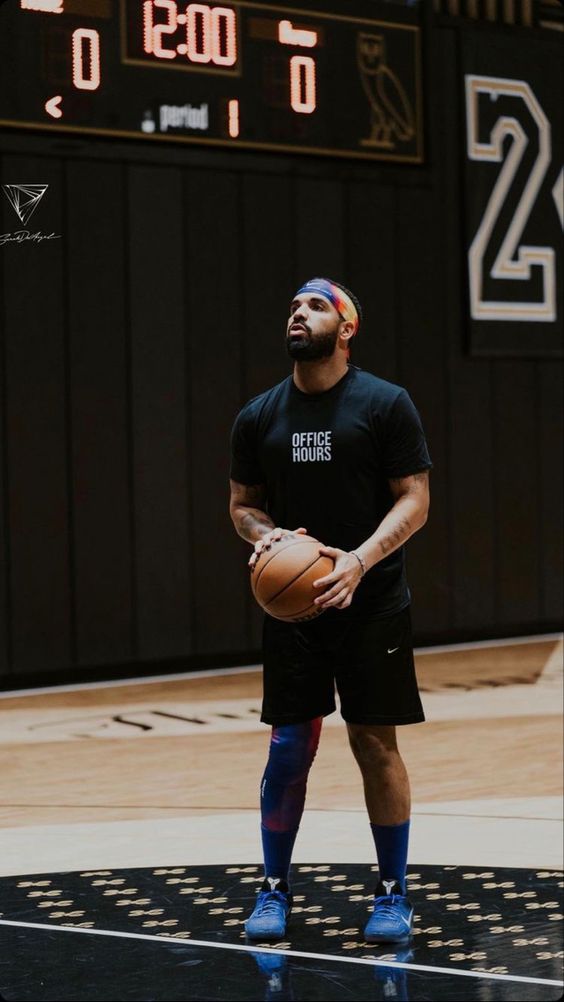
x=129 y=345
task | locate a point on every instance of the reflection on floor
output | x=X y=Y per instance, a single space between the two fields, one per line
x=60 y=968
x=470 y=923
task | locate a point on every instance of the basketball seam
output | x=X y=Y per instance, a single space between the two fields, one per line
x=293 y=615
x=288 y=583
x=271 y=557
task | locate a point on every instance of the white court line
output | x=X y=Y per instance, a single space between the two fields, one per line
x=142 y=680
x=287 y=953
x=212 y=672
x=480 y=644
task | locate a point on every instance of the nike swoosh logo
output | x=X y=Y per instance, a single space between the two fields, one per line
x=392 y=649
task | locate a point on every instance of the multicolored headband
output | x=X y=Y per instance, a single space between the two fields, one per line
x=342 y=303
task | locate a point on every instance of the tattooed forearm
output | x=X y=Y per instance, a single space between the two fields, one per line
x=406 y=517
x=396 y=536
x=251 y=523
x=247 y=511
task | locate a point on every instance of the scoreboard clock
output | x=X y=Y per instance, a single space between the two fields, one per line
x=338 y=78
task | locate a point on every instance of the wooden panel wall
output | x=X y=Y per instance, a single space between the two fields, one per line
x=98 y=417
x=37 y=504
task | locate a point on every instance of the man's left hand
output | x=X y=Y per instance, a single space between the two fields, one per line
x=341 y=582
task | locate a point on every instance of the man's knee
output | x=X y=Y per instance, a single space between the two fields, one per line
x=292 y=751
x=372 y=745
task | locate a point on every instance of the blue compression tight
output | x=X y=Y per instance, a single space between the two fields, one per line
x=283 y=789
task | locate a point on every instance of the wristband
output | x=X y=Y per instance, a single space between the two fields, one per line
x=360 y=560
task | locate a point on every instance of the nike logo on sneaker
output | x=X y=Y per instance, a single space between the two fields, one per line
x=392 y=649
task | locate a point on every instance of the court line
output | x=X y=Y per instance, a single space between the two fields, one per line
x=212 y=672
x=481 y=644
x=141 y=680
x=53 y=805
x=287 y=953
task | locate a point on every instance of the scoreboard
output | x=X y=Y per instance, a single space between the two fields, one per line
x=339 y=78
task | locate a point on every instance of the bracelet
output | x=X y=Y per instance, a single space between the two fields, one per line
x=360 y=560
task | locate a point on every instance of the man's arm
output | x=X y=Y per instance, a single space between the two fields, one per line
x=251 y=521
x=408 y=514
x=245 y=508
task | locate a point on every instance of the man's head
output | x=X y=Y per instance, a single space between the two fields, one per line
x=323 y=315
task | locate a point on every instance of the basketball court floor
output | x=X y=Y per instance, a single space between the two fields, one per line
x=131 y=846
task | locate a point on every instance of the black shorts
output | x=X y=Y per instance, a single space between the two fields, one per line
x=369 y=657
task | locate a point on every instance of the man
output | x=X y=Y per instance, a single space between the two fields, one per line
x=341 y=454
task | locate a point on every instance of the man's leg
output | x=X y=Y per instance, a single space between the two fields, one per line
x=388 y=801
x=283 y=789
x=282 y=798
x=386 y=783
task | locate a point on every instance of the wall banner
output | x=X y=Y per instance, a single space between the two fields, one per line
x=513 y=193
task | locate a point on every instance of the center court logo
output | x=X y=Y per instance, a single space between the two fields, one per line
x=24 y=199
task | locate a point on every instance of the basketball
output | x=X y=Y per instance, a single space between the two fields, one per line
x=282 y=577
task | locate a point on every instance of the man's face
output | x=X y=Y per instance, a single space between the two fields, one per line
x=313 y=328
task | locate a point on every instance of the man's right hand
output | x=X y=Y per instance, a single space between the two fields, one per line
x=265 y=542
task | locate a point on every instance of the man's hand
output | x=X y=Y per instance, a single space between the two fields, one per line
x=341 y=582
x=265 y=542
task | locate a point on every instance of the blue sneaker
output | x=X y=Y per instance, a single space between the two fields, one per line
x=392 y=918
x=273 y=906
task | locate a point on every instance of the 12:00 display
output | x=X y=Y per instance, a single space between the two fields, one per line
x=209 y=34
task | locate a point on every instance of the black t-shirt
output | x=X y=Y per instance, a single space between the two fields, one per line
x=325 y=459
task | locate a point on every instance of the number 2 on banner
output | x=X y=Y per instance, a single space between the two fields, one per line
x=513 y=261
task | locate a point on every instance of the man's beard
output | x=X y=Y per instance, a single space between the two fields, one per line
x=305 y=348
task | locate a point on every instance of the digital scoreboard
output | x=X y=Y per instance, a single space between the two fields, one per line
x=326 y=79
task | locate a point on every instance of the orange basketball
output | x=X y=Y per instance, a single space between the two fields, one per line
x=282 y=577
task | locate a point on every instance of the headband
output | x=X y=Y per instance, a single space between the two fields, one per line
x=342 y=303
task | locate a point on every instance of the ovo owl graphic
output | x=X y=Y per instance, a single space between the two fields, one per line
x=391 y=114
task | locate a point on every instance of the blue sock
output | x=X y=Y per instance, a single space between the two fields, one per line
x=391 y=848
x=277 y=850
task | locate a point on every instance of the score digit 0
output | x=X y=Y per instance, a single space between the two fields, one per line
x=303 y=98
x=302 y=84
x=82 y=78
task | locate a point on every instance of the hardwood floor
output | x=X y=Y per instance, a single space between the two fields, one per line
x=194 y=748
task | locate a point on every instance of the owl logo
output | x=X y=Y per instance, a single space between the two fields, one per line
x=392 y=118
